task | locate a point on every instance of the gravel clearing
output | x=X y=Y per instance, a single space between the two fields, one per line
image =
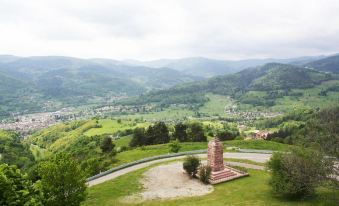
x=169 y=181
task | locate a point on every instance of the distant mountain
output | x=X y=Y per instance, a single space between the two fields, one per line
x=274 y=78
x=329 y=64
x=27 y=84
x=205 y=67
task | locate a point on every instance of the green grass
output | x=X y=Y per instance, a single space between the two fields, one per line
x=253 y=190
x=109 y=126
x=244 y=161
x=258 y=144
x=216 y=105
x=155 y=150
x=309 y=99
x=123 y=141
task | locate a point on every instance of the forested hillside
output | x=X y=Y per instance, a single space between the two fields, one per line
x=13 y=151
x=275 y=79
x=329 y=64
x=48 y=83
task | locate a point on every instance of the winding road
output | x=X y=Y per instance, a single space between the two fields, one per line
x=256 y=157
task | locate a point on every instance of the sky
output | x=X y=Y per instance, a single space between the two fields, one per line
x=153 y=29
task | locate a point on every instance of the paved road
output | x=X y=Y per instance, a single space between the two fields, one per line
x=249 y=156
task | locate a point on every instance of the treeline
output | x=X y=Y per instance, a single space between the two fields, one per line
x=159 y=134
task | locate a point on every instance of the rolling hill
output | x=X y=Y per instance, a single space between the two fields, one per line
x=205 y=67
x=28 y=83
x=329 y=64
x=273 y=79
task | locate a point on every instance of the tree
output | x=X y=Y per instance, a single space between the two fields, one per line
x=191 y=165
x=139 y=137
x=107 y=145
x=174 y=146
x=16 y=189
x=62 y=181
x=296 y=174
x=157 y=134
x=229 y=132
x=226 y=135
x=196 y=132
x=180 y=132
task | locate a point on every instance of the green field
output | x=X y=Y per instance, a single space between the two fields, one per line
x=111 y=126
x=252 y=190
x=310 y=98
x=216 y=105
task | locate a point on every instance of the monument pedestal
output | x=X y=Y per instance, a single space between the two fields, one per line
x=220 y=172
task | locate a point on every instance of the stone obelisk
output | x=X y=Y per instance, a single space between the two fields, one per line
x=215 y=159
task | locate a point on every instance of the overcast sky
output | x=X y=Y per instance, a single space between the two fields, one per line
x=145 y=29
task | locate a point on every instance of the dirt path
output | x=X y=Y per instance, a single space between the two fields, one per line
x=249 y=156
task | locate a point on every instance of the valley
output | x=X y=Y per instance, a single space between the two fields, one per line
x=273 y=107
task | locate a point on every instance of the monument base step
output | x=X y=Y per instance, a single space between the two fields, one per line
x=226 y=175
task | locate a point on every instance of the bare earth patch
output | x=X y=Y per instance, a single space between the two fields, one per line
x=168 y=181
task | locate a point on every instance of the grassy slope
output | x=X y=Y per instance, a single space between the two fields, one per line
x=309 y=99
x=216 y=104
x=252 y=190
x=109 y=126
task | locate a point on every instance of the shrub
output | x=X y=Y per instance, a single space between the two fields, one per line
x=205 y=173
x=191 y=165
x=296 y=174
x=174 y=146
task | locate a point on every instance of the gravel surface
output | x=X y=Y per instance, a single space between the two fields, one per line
x=168 y=181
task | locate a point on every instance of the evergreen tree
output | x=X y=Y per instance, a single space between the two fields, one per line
x=139 y=137
x=107 y=144
x=180 y=132
x=196 y=132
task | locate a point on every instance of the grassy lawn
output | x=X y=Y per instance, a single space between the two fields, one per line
x=252 y=190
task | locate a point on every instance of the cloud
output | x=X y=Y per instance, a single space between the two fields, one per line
x=149 y=29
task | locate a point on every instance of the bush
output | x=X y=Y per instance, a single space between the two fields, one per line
x=174 y=146
x=191 y=165
x=296 y=174
x=205 y=173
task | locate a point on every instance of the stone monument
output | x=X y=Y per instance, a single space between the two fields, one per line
x=215 y=159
